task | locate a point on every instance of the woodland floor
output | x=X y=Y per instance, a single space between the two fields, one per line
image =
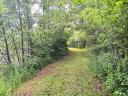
x=69 y=76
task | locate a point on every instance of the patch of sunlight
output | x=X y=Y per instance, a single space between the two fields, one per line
x=77 y=49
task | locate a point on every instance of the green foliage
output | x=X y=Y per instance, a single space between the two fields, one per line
x=103 y=65
x=59 y=48
x=102 y=25
x=12 y=78
x=78 y=39
x=3 y=87
x=106 y=24
x=2 y=7
x=25 y=48
x=44 y=53
x=112 y=72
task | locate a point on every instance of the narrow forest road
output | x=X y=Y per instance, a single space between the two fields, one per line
x=69 y=76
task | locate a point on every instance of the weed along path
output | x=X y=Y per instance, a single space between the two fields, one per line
x=69 y=76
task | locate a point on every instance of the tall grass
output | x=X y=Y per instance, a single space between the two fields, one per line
x=12 y=78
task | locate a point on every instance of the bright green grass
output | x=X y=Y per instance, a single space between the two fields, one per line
x=1 y=69
x=72 y=78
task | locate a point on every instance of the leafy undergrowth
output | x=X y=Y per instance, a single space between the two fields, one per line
x=70 y=76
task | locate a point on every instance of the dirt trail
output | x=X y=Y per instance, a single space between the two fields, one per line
x=69 y=76
x=28 y=87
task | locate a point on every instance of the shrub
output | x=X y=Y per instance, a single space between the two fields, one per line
x=12 y=78
x=59 y=48
x=113 y=71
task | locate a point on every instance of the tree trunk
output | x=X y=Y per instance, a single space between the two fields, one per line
x=6 y=42
x=15 y=47
x=21 y=29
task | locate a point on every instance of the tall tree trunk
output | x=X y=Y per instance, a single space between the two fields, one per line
x=21 y=29
x=30 y=42
x=4 y=57
x=15 y=47
x=30 y=28
x=6 y=42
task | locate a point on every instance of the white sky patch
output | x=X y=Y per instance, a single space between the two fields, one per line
x=36 y=9
x=35 y=25
x=53 y=7
x=67 y=7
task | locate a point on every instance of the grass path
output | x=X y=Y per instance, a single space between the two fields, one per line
x=70 y=76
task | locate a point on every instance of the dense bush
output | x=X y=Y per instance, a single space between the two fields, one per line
x=113 y=72
x=12 y=78
x=50 y=45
